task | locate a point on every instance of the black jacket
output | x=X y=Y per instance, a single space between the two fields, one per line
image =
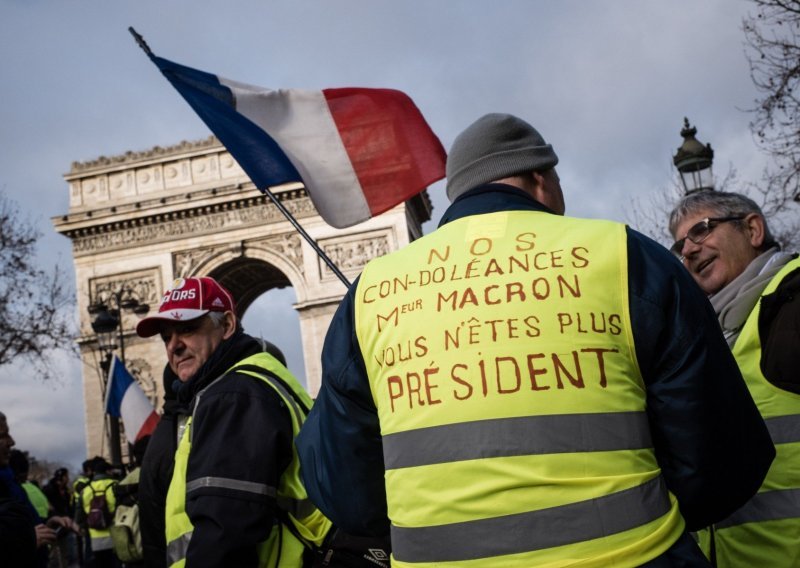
x=17 y=533
x=779 y=330
x=241 y=432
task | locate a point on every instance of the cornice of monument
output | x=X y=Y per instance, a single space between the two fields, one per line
x=151 y=208
x=136 y=191
x=114 y=233
x=155 y=154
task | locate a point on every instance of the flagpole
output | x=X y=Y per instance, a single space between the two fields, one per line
x=325 y=258
x=321 y=253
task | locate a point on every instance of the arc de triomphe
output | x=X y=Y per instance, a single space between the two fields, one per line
x=139 y=220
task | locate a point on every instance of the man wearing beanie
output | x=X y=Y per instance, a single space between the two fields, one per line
x=234 y=483
x=519 y=388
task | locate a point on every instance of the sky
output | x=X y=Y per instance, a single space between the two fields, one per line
x=608 y=84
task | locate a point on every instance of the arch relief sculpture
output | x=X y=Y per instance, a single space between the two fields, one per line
x=142 y=219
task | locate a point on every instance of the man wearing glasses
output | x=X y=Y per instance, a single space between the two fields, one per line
x=725 y=243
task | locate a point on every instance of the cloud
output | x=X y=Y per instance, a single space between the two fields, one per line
x=46 y=418
x=607 y=83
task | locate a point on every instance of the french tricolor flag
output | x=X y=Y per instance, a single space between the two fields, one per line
x=358 y=151
x=125 y=399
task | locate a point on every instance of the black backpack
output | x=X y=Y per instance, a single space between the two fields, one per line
x=99 y=517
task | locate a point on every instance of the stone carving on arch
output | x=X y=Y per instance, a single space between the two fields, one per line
x=144 y=285
x=146 y=218
x=200 y=261
x=284 y=252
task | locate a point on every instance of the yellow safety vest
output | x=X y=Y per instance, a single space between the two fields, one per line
x=101 y=539
x=37 y=498
x=766 y=530
x=81 y=482
x=291 y=496
x=512 y=409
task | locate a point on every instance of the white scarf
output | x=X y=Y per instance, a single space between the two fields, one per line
x=735 y=301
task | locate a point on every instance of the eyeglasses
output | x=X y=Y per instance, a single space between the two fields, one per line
x=699 y=232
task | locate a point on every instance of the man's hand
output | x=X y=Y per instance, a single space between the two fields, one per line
x=57 y=521
x=44 y=535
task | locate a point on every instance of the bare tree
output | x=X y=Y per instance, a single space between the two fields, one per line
x=772 y=39
x=650 y=215
x=773 y=51
x=35 y=314
x=772 y=48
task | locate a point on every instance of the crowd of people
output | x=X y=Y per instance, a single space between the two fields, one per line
x=569 y=392
x=54 y=526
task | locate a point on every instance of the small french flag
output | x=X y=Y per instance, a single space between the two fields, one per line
x=125 y=399
x=358 y=151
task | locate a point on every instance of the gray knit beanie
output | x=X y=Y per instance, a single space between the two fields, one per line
x=494 y=147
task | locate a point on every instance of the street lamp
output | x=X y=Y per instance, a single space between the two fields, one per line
x=107 y=325
x=693 y=161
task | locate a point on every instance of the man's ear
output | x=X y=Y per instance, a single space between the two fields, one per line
x=229 y=324
x=756 y=229
x=538 y=180
x=536 y=187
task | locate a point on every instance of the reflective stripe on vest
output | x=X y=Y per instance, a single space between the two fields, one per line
x=299 y=508
x=235 y=484
x=524 y=435
x=502 y=365
x=176 y=549
x=764 y=532
x=784 y=429
x=766 y=506
x=290 y=496
x=498 y=536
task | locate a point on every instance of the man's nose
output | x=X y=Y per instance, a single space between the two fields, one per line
x=174 y=344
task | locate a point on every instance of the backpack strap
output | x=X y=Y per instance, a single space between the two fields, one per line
x=282 y=514
x=104 y=491
x=261 y=371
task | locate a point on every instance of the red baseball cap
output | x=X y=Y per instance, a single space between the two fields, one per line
x=188 y=299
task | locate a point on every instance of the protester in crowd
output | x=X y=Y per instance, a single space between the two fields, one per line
x=158 y=463
x=83 y=479
x=59 y=494
x=80 y=483
x=127 y=490
x=520 y=388
x=20 y=464
x=725 y=243
x=126 y=531
x=156 y=473
x=232 y=484
x=98 y=523
x=24 y=535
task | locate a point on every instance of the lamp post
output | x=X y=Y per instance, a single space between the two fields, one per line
x=108 y=328
x=693 y=161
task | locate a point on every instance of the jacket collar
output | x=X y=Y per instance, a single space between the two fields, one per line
x=491 y=198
